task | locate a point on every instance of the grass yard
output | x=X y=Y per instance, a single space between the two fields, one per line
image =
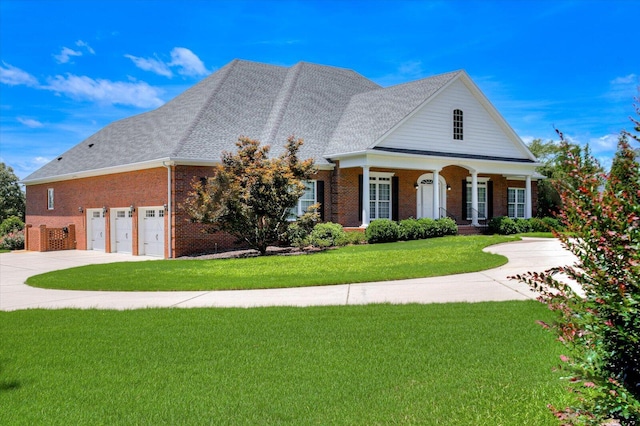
x=353 y=264
x=451 y=364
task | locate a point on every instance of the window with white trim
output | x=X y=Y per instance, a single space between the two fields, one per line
x=380 y=196
x=458 y=125
x=50 y=198
x=482 y=200
x=516 y=202
x=306 y=200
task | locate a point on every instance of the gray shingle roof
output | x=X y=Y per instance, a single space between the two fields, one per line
x=372 y=114
x=334 y=110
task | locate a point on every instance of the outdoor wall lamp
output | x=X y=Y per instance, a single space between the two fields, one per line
x=415 y=185
x=104 y=210
x=80 y=209
x=448 y=187
x=132 y=209
x=165 y=207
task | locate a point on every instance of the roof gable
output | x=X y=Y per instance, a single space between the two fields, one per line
x=430 y=127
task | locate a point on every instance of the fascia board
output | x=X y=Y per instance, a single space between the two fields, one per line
x=415 y=162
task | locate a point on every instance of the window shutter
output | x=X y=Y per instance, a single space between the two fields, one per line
x=320 y=197
x=360 y=198
x=489 y=199
x=395 y=184
x=464 y=199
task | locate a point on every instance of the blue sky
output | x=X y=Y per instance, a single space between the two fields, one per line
x=68 y=68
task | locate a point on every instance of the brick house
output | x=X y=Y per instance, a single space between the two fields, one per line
x=429 y=148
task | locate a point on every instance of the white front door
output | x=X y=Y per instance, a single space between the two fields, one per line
x=152 y=231
x=425 y=197
x=122 y=227
x=95 y=230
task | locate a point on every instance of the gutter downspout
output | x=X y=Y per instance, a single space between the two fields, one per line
x=169 y=207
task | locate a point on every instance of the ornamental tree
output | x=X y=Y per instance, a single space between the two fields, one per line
x=12 y=200
x=250 y=195
x=599 y=326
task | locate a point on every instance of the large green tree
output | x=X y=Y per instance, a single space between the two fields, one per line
x=250 y=195
x=12 y=200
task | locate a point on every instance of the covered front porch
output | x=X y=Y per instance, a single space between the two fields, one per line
x=469 y=191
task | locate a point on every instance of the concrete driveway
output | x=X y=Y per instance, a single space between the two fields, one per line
x=530 y=254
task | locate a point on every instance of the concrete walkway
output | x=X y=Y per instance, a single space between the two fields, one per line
x=530 y=254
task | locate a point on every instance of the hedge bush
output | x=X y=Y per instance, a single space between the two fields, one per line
x=410 y=229
x=505 y=225
x=447 y=226
x=327 y=234
x=382 y=231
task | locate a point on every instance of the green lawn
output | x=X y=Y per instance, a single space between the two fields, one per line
x=365 y=263
x=449 y=364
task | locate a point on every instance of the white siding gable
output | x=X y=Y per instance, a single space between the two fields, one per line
x=430 y=128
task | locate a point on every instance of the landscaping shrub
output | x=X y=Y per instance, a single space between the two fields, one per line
x=351 y=238
x=553 y=224
x=12 y=241
x=327 y=234
x=502 y=225
x=382 y=231
x=410 y=229
x=447 y=226
x=599 y=326
x=537 y=225
x=430 y=228
x=11 y=224
x=523 y=225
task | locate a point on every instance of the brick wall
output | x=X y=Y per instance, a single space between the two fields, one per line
x=139 y=188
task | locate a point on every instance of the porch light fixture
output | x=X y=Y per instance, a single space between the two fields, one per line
x=415 y=185
x=165 y=207
x=448 y=187
x=104 y=210
x=80 y=209
x=132 y=209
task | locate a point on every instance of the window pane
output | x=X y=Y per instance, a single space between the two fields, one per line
x=384 y=210
x=372 y=210
x=372 y=191
x=512 y=210
x=385 y=192
x=521 y=195
x=512 y=195
x=521 y=210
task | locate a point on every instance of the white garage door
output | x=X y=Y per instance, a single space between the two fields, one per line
x=122 y=226
x=152 y=231
x=95 y=230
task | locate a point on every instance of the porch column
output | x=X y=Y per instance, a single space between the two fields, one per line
x=474 y=198
x=436 y=194
x=527 y=199
x=366 y=204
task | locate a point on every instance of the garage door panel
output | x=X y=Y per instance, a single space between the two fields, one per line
x=152 y=228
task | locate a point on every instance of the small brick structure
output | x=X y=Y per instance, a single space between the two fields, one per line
x=50 y=239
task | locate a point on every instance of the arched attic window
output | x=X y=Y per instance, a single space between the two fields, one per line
x=458 y=125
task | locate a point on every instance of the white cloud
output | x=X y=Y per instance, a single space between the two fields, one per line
x=40 y=160
x=606 y=143
x=29 y=122
x=184 y=60
x=84 y=44
x=187 y=62
x=15 y=76
x=631 y=78
x=139 y=94
x=623 y=88
x=66 y=54
x=150 y=64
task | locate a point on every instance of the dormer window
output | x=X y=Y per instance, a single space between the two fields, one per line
x=457 y=125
